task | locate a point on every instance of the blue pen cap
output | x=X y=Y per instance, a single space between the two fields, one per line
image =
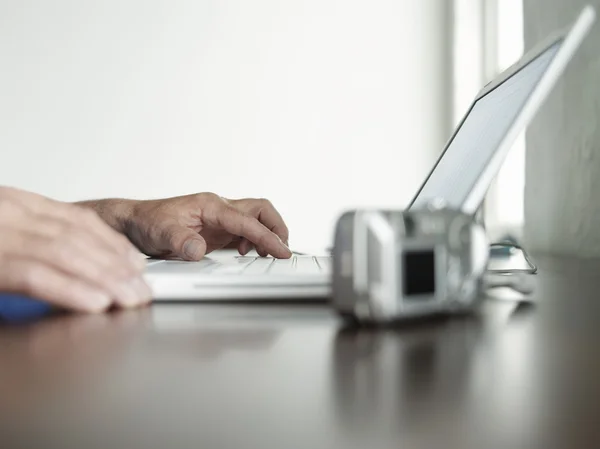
x=17 y=308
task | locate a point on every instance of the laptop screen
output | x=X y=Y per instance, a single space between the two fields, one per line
x=480 y=135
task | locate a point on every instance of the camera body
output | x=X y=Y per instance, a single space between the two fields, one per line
x=391 y=265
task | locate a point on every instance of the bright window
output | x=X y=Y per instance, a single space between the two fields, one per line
x=488 y=38
x=510 y=184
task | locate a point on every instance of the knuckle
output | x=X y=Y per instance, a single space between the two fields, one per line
x=209 y=196
x=230 y=208
x=264 y=202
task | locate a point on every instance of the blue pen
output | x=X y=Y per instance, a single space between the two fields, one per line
x=17 y=308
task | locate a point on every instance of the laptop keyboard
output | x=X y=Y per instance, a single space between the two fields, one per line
x=249 y=266
x=268 y=265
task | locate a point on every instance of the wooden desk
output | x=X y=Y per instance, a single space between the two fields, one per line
x=265 y=377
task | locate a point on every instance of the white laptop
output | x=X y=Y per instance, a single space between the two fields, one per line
x=462 y=176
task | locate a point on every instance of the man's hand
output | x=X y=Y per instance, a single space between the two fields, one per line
x=66 y=255
x=189 y=227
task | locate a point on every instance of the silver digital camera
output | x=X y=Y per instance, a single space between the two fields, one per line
x=391 y=265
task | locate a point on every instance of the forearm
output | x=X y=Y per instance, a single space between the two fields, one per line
x=115 y=212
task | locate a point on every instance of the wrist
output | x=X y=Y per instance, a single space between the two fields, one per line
x=117 y=213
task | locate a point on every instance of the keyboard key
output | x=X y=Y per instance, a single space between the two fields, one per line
x=260 y=265
x=283 y=266
x=180 y=267
x=324 y=263
x=306 y=265
x=235 y=267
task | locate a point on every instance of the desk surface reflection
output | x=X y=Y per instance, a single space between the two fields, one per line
x=292 y=376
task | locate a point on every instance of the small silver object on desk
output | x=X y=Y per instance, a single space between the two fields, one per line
x=392 y=265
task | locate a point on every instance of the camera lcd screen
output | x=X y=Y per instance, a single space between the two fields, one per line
x=419 y=272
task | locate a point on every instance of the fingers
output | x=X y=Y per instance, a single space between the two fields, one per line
x=80 y=256
x=261 y=252
x=65 y=256
x=245 y=246
x=264 y=211
x=56 y=237
x=237 y=223
x=183 y=242
x=271 y=218
x=48 y=284
x=77 y=256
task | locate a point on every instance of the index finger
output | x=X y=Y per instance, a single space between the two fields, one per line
x=272 y=219
x=237 y=223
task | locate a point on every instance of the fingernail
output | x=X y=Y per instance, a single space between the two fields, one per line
x=193 y=249
x=289 y=251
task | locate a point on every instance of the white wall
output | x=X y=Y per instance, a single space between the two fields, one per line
x=318 y=105
x=562 y=188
